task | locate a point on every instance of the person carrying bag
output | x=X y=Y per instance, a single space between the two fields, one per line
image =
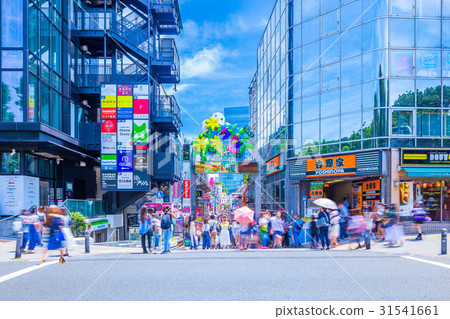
x=323 y=223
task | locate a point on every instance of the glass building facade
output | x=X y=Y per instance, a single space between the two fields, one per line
x=346 y=76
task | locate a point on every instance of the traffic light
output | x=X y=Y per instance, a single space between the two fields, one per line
x=186 y=152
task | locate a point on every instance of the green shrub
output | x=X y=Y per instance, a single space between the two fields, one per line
x=79 y=223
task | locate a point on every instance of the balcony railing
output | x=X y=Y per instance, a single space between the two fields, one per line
x=94 y=20
x=167 y=106
x=95 y=75
x=168 y=52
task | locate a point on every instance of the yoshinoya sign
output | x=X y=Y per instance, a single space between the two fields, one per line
x=425 y=157
x=340 y=165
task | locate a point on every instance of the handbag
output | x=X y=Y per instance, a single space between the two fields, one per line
x=322 y=221
x=58 y=237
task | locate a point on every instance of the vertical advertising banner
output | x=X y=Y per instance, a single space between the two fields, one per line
x=108 y=102
x=124 y=102
x=108 y=136
x=176 y=190
x=124 y=130
x=141 y=158
x=141 y=108
x=406 y=198
x=140 y=131
x=125 y=161
x=186 y=189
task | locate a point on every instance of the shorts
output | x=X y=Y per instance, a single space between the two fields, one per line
x=277 y=232
x=419 y=221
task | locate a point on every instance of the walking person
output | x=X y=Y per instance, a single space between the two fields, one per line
x=30 y=235
x=225 y=241
x=419 y=215
x=333 y=233
x=41 y=215
x=69 y=241
x=157 y=232
x=343 y=218
x=206 y=234
x=297 y=226
x=323 y=224
x=166 y=224
x=236 y=233
x=145 y=229
x=314 y=232
x=55 y=238
x=264 y=229
x=213 y=231
x=285 y=230
x=191 y=225
x=276 y=229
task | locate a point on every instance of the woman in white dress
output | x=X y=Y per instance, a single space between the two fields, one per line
x=225 y=241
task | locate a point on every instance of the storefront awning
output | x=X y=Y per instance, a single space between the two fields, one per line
x=427 y=171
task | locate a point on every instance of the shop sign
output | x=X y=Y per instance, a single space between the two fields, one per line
x=316 y=189
x=124 y=128
x=140 y=131
x=371 y=192
x=108 y=162
x=109 y=180
x=124 y=107
x=406 y=198
x=350 y=164
x=18 y=192
x=273 y=166
x=140 y=181
x=125 y=180
x=141 y=158
x=425 y=157
x=125 y=161
x=141 y=108
x=187 y=189
x=108 y=136
x=176 y=190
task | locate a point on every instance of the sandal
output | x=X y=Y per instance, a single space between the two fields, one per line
x=41 y=261
x=61 y=260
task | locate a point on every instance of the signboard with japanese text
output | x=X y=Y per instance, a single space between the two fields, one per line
x=124 y=137
x=330 y=166
x=226 y=167
x=187 y=189
x=371 y=192
x=18 y=192
x=273 y=166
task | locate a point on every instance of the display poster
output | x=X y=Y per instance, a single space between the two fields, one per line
x=141 y=158
x=140 y=131
x=316 y=189
x=141 y=181
x=357 y=196
x=406 y=198
x=371 y=192
x=124 y=129
x=108 y=137
x=108 y=103
x=109 y=180
x=124 y=180
x=176 y=190
x=18 y=192
x=109 y=162
x=141 y=108
x=187 y=189
x=125 y=161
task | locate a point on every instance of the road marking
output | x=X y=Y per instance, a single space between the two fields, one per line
x=26 y=270
x=427 y=261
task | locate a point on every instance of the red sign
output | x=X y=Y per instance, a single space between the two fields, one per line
x=109 y=126
x=176 y=190
x=140 y=107
x=186 y=189
x=108 y=113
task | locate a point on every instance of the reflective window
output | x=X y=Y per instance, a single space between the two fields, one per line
x=56 y=110
x=297 y=12
x=297 y=135
x=446 y=123
x=297 y=87
x=428 y=93
x=56 y=52
x=375 y=35
x=33 y=99
x=310 y=133
x=330 y=22
x=351 y=71
x=374 y=94
x=329 y=130
x=310 y=56
x=12 y=23
x=402 y=7
x=446 y=93
x=297 y=60
x=45 y=104
x=374 y=9
x=402 y=122
x=350 y=15
x=45 y=39
x=402 y=63
x=310 y=30
x=428 y=122
x=330 y=103
x=310 y=109
x=33 y=29
x=12 y=96
x=330 y=49
x=297 y=110
x=428 y=8
x=329 y=5
x=31 y=165
x=446 y=8
x=446 y=33
x=351 y=99
x=374 y=65
x=435 y=142
x=351 y=42
x=428 y=63
x=350 y=127
x=330 y=148
x=375 y=123
x=311 y=81
x=12 y=59
x=11 y=163
x=310 y=8
x=428 y=33
x=330 y=76
x=401 y=93
x=297 y=35
x=402 y=33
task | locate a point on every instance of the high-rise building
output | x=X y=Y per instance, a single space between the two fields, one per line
x=55 y=58
x=352 y=101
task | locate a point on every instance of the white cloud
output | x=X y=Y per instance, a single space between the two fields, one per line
x=203 y=63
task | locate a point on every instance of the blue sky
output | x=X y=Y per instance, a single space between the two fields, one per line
x=217 y=48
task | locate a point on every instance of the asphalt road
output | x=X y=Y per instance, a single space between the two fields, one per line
x=231 y=275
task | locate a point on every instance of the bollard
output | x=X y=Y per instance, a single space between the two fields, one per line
x=87 y=248
x=19 y=245
x=367 y=238
x=444 y=241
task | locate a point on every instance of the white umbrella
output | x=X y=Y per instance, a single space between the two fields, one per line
x=325 y=203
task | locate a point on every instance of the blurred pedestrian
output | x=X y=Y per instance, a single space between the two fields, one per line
x=213 y=231
x=314 y=231
x=419 y=215
x=236 y=233
x=264 y=229
x=276 y=229
x=145 y=229
x=285 y=230
x=343 y=214
x=297 y=226
x=41 y=215
x=69 y=241
x=206 y=234
x=157 y=232
x=166 y=224
x=245 y=231
x=192 y=228
x=225 y=241
x=356 y=228
x=334 y=231
x=323 y=223
x=55 y=238
x=29 y=223
x=378 y=219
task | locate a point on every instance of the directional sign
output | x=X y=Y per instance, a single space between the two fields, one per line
x=206 y=200
x=159 y=195
x=159 y=200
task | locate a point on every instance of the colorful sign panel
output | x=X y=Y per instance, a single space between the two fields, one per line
x=274 y=166
x=329 y=166
x=406 y=198
x=425 y=157
x=176 y=190
x=371 y=192
x=316 y=189
x=226 y=167
x=186 y=189
x=124 y=137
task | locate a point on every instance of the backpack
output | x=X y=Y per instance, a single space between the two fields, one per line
x=298 y=226
x=166 y=221
x=212 y=227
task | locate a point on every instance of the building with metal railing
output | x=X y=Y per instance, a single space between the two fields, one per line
x=55 y=57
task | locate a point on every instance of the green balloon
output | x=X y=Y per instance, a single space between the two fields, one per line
x=249 y=145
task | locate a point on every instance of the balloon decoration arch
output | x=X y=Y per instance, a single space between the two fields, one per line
x=221 y=140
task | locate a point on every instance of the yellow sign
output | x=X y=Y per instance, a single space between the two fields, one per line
x=125 y=101
x=108 y=102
